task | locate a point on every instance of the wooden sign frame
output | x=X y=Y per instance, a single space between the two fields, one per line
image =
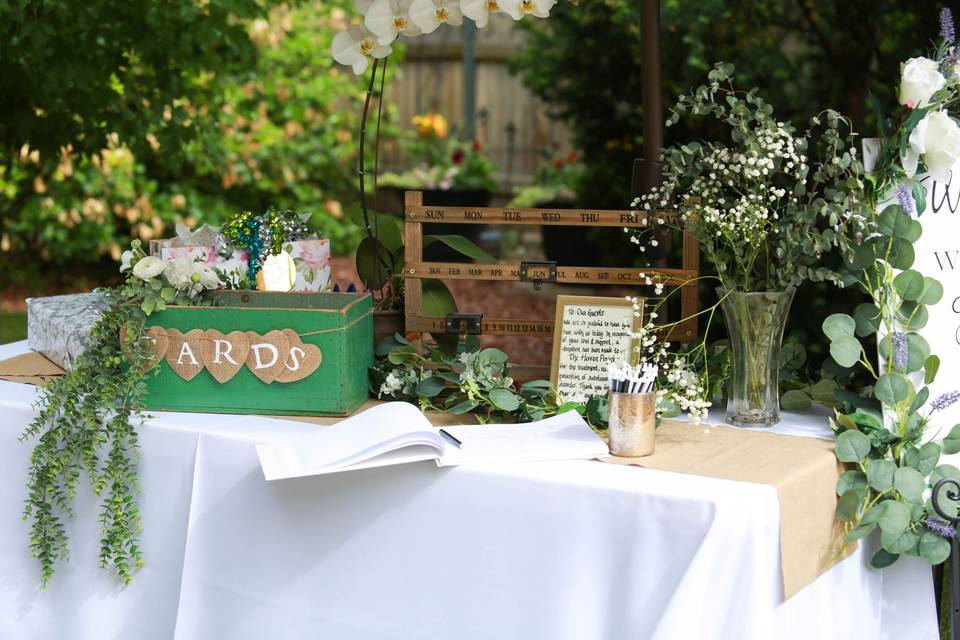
x=590 y=301
x=415 y=269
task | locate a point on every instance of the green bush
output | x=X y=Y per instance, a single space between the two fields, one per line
x=281 y=131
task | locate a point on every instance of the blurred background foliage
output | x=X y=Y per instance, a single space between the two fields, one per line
x=178 y=111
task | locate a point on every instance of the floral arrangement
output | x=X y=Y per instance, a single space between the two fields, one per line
x=555 y=181
x=386 y=20
x=442 y=162
x=470 y=380
x=886 y=439
x=87 y=420
x=767 y=206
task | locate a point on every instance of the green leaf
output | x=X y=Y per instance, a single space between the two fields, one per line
x=918 y=350
x=838 y=325
x=892 y=388
x=951 y=444
x=167 y=294
x=867 y=418
x=430 y=387
x=919 y=400
x=867 y=317
x=933 y=548
x=464 y=407
x=909 y=284
x=860 y=531
x=930 y=368
x=943 y=471
x=883 y=559
x=437 y=302
x=148 y=305
x=847 y=506
x=853 y=480
x=793 y=355
x=932 y=292
x=845 y=350
x=919 y=197
x=894 y=516
x=852 y=446
x=902 y=254
x=462 y=246
x=795 y=400
x=823 y=392
x=370 y=268
x=900 y=542
x=880 y=474
x=925 y=458
x=504 y=399
x=909 y=483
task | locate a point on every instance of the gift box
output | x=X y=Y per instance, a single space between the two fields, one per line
x=59 y=326
x=310 y=257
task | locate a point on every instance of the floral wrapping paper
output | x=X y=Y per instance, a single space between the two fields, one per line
x=58 y=326
x=311 y=258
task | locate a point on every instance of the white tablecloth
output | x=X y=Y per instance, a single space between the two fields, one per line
x=548 y=551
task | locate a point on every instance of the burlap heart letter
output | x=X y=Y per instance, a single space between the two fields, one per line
x=159 y=341
x=183 y=354
x=267 y=355
x=303 y=360
x=224 y=355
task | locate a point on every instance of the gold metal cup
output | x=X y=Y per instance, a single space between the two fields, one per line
x=632 y=424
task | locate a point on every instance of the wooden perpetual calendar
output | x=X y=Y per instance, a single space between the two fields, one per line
x=535 y=272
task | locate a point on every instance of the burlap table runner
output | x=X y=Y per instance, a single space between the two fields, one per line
x=803 y=471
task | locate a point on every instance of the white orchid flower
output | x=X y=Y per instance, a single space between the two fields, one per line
x=430 y=14
x=354 y=46
x=479 y=10
x=360 y=7
x=387 y=19
x=519 y=8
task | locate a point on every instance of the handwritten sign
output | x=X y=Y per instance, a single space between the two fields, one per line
x=590 y=333
x=278 y=356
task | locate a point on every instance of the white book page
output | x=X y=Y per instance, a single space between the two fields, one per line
x=563 y=437
x=357 y=442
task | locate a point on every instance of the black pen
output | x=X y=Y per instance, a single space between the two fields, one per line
x=450 y=437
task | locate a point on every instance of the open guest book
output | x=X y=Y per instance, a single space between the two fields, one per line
x=398 y=433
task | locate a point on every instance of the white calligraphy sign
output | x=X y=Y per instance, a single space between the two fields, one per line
x=590 y=333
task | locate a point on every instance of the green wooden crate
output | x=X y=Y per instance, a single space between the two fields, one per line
x=339 y=324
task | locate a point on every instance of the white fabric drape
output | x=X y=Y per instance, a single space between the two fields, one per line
x=552 y=551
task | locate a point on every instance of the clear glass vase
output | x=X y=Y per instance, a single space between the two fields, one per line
x=755 y=324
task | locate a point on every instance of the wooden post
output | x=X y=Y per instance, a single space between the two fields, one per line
x=412 y=253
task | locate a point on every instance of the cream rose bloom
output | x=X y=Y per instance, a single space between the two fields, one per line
x=179 y=272
x=920 y=79
x=937 y=139
x=148 y=267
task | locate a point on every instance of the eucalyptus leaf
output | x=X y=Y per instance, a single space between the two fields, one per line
x=867 y=318
x=430 y=387
x=504 y=399
x=951 y=444
x=894 y=516
x=852 y=446
x=860 y=531
x=795 y=400
x=853 y=480
x=880 y=474
x=845 y=350
x=847 y=506
x=464 y=407
x=909 y=483
x=909 y=284
x=838 y=325
x=883 y=559
x=892 y=388
x=933 y=548
x=932 y=291
x=867 y=418
x=900 y=542
x=924 y=458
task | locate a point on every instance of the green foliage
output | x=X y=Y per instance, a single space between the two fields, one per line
x=467 y=380
x=86 y=422
x=246 y=114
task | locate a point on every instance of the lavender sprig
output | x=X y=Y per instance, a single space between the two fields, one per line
x=906 y=200
x=898 y=341
x=940 y=528
x=944 y=400
x=948 y=32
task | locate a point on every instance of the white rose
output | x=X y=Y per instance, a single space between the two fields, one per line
x=937 y=139
x=148 y=267
x=179 y=272
x=920 y=79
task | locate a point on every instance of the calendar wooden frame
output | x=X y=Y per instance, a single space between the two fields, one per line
x=416 y=269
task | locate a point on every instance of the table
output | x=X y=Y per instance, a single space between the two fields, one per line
x=554 y=551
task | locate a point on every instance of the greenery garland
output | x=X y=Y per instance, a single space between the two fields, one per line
x=87 y=420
